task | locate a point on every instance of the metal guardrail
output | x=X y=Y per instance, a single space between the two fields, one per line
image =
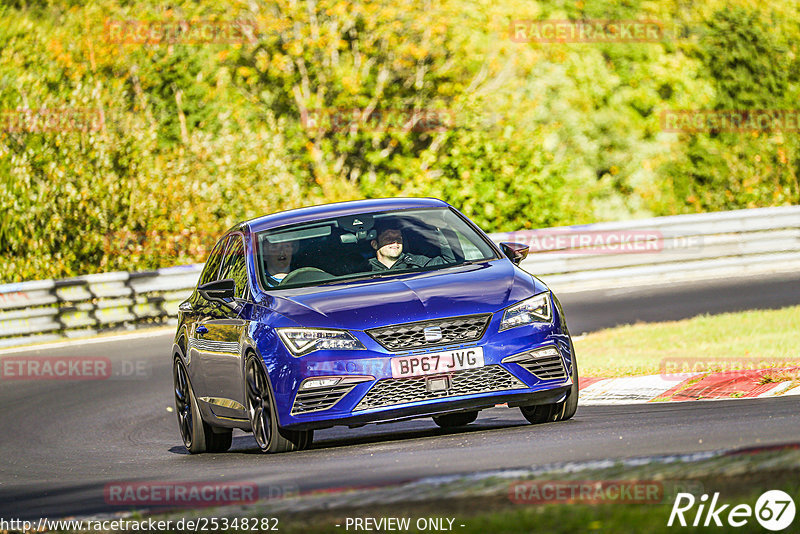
x=567 y=258
x=663 y=249
x=50 y=309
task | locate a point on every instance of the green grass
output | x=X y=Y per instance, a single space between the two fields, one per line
x=496 y=514
x=562 y=518
x=484 y=505
x=752 y=339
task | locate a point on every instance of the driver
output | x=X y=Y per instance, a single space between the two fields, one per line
x=389 y=254
x=278 y=258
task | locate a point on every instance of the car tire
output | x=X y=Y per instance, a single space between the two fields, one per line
x=559 y=411
x=566 y=409
x=198 y=436
x=220 y=439
x=269 y=436
x=452 y=420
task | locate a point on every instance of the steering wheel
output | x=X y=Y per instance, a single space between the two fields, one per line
x=306 y=274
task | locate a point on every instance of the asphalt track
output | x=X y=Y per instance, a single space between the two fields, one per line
x=61 y=442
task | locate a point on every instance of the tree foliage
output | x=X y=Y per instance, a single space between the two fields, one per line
x=329 y=100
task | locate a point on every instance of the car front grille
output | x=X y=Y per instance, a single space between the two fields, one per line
x=549 y=367
x=410 y=336
x=392 y=391
x=318 y=399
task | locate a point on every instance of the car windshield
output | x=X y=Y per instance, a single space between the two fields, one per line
x=365 y=246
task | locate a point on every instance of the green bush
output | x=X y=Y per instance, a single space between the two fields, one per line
x=177 y=141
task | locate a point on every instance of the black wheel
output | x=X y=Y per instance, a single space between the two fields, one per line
x=263 y=419
x=567 y=408
x=451 y=420
x=559 y=411
x=197 y=435
x=220 y=439
x=540 y=413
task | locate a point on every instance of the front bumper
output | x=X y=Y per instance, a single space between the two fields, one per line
x=508 y=376
x=439 y=407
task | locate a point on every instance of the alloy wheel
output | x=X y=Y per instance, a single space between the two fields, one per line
x=183 y=403
x=258 y=404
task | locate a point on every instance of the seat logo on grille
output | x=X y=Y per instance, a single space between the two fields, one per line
x=432 y=334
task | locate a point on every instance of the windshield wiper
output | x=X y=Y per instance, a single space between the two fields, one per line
x=368 y=276
x=471 y=262
x=393 y=272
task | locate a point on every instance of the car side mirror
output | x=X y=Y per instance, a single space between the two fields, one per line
x=218 y=290
x=516 y=252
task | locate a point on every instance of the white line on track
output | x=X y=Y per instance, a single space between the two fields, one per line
x=169 y=330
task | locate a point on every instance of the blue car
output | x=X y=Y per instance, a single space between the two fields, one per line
x=363 y=312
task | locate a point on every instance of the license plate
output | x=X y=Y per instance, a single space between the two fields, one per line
x=437 y=362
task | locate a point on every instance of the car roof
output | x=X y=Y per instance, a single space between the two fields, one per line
x=338 y=209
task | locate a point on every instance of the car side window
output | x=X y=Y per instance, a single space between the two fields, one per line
x=234 y=265
x=212 y=264
x=471 y=252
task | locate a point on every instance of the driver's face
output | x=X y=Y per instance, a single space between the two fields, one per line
x=390 y=243
x=279 y=257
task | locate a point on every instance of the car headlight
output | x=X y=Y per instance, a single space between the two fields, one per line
x=533 y=310
x=301 y=341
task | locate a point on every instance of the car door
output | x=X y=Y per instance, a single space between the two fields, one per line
x=197 y=312
x=221 y=330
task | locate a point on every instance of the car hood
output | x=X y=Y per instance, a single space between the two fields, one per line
x=468 y=289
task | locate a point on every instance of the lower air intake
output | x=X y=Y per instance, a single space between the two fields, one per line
x=394 y=391
x=318 y=399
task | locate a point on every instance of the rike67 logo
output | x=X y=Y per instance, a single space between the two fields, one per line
x=774 y=510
